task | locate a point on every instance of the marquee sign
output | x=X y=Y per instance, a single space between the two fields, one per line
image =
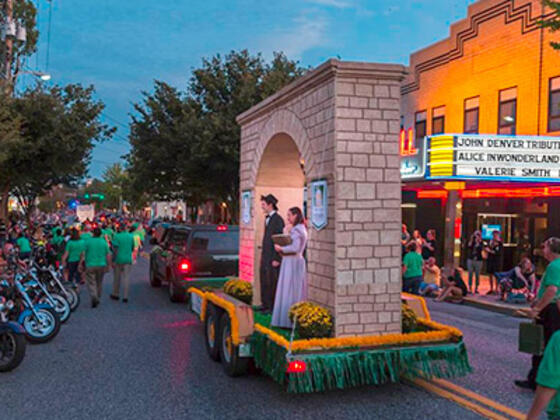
x=493 y=157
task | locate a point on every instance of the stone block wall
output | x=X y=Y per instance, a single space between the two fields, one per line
x=344 y=119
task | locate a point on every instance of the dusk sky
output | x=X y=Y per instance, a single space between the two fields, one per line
x=121 y=46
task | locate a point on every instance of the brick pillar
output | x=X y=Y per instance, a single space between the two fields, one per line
x=368 y=199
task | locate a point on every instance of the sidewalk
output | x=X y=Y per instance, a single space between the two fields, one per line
x=490 y=302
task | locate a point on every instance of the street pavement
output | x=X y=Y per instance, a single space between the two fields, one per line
x=146 y=360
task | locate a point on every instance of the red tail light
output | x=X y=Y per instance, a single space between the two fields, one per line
x=184 y=266
x=221 y=228
x=296 y=366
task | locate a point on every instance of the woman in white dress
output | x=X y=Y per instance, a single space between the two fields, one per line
x=292 y=281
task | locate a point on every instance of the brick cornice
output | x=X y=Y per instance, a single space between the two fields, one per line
x=524 y=13
x=325 y=72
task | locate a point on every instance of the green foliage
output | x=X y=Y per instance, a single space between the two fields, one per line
x=409 y=319
x=185 y=145
x=59 y=127
x=552 y=24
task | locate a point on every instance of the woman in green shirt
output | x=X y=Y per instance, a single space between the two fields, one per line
x=71 y=257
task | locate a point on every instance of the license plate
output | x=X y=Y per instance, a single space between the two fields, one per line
x=196 y=303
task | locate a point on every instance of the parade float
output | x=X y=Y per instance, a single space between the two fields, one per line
x=329 y=144
x=238 y=335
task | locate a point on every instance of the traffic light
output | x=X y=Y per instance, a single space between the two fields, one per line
x=86 y=196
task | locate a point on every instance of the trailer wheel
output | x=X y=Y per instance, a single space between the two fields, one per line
x=229 y=353
x=211 y=330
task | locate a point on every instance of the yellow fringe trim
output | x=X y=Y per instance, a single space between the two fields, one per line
x=443 y=333
x=222 y=303
x=422 y=302
x=204 y=300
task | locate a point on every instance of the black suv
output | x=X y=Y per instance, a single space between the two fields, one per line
x=187 y=254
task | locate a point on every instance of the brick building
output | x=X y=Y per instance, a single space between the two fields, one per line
x=495 y=75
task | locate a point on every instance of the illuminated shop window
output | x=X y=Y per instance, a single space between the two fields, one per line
x=438 y=120
x=471 y=116
x=420 y=126
x=554 y=105
x=507 y=111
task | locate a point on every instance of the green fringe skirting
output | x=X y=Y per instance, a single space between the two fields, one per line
x=353 y=367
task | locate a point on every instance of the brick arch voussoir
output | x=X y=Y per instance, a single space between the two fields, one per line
x=287 y=122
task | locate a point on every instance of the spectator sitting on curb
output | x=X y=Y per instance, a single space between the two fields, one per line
x=521 y=277
x=454 y=289
x=431 y=281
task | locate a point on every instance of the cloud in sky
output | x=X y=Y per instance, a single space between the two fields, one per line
x=339 y=4
x=308 y=31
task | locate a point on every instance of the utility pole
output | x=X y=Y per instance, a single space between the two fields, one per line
x=9 y=48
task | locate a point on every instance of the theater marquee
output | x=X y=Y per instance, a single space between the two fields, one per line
x=511 y=158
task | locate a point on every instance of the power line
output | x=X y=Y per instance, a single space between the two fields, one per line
x=115 y=121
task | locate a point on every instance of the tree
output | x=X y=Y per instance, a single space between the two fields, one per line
x=552 y=24
x=186 y=145
x=10 y=142
x=59 y=128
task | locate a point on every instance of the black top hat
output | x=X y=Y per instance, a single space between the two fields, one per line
x=269 y=199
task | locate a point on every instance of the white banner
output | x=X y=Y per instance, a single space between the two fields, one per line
x=85 y=212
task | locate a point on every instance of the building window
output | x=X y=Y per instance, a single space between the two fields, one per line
x=507 y=111
x=471 y=116
x=438 y=120
x=420 y=126
x=554 y=104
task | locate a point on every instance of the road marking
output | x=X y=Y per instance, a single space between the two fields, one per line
x=479 y=409
x=145 y=255
x=487 y=401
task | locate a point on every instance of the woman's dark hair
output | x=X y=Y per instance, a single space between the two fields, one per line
x=97 y=232
x=74 y=234
x=411 y=247
x=296 y=211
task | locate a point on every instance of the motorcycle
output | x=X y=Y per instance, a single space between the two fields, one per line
x=40 y=321
x=38 y=292
x=54 y=279
x=12 y=339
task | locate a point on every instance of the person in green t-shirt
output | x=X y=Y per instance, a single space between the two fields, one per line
x=72 y=254
x=544 y=309
x=548 y=380
x=108 y=233
x=86 y=232
x=24 y=246
x=57 y=243
x=123 y=248
x=97 y=259
x=412 y=269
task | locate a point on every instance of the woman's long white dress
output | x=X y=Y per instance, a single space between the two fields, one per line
x=292 y=281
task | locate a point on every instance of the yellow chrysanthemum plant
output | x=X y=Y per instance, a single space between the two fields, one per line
x=311 y=320
x=239 y=289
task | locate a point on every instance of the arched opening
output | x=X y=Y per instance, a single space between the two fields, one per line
x=281 y=173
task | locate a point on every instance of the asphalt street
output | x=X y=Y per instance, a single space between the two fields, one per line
x=146 y=360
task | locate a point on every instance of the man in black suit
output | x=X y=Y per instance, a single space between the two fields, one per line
x=270 y=259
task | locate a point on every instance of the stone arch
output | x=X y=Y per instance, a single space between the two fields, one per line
x=286 y=122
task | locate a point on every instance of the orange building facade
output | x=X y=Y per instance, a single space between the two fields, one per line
x=488 y=93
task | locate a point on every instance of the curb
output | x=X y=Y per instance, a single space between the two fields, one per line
x=494 y=307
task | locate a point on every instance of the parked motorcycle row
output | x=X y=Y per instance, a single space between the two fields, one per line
x=35 y=300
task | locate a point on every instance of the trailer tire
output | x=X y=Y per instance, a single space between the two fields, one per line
x=229 y=353
x=211 y=332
